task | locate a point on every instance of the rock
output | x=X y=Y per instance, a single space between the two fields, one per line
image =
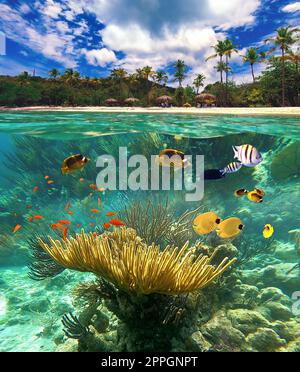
x=265 y=340
x=274 y=276
x=247 y=321
x=222 y=251
x=222 y=335
x=278 y=311
x=273 y=294
x=287 y=330
x=292 y=347
x=100 y=321
x=286 y=252
x=197 y=343
x=244 y=296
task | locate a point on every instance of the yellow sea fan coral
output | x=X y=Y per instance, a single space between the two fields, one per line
x=123 y=259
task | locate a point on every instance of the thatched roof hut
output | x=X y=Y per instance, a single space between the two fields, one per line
x=187 y=105
x=131 y=101
x=164 y=100
x=111 y=102
x=206 y=98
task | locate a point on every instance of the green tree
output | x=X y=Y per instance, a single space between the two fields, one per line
x=161 y=78
x=54 y=73
x=179 y=75
x=285 y=38
x=222 y=67
x=252 y=56
x=146 y=73
x=220 y=49
x=199 y=82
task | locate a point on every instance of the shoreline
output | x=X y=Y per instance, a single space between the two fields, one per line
x=239 y=111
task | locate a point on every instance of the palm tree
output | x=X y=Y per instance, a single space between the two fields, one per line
x=54 y=73
x=119 y=74
x=230 y=48
x=222 y=67
x=146 y=73
x=161 y=78
x=253 y=56
x=179 y=74
x=220 y=50
x=199 y=82
x=285 y=37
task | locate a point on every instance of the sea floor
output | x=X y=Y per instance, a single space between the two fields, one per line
x=30 y=312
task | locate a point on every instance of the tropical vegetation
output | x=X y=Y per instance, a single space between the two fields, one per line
x=275 y=85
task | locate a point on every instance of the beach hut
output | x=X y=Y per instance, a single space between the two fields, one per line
x=111 y=102
x=187 y=105
x=164 y=101
x=131 y=101
x=206 y=100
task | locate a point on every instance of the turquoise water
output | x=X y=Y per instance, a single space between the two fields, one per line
x=252 y=307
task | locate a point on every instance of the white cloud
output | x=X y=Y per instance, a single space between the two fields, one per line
x=101 y=57
x=25 y=9
x=152 y=32
x=52 y=9
x=291 y=8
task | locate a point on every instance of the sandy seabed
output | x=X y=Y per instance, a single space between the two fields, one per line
x=261 y=111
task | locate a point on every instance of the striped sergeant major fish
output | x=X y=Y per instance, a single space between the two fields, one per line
x=231 y=168
x=248 y=155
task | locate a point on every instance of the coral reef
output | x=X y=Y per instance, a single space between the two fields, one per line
x=125 y=260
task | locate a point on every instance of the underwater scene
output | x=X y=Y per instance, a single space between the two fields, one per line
x=87 y=268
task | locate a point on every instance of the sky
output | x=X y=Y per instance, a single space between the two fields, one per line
x=96 y=36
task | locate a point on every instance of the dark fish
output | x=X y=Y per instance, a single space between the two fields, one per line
x=213 y=174
x=74 y=163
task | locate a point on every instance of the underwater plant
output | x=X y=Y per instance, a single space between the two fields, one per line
x=73 y=328
x=152 y=222
x=249 y=250
x=122 y=258
x=42 y=266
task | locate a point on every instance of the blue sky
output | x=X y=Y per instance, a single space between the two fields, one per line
x=95 y=36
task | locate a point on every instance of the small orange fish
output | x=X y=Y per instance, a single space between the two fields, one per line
x=99 y=201
x=54 y=226
x=81 y=179
x=94 y=187
x=95 y=235
x=47 y=177
x=30 y=219
x=70 y=213
x=117 y=222
x=95 y=211
x=102 y=189
x=92 y=224
x=17 y=228
x=110 y=214
x=106 y=225
x=64 y=234
x=35 y=189
x=68 y=206
x=78 y=225
x=50 y=182
x=29 y=206
x=38 y=217
x=64 y=222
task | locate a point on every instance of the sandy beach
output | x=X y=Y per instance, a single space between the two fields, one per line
x=245 y=111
